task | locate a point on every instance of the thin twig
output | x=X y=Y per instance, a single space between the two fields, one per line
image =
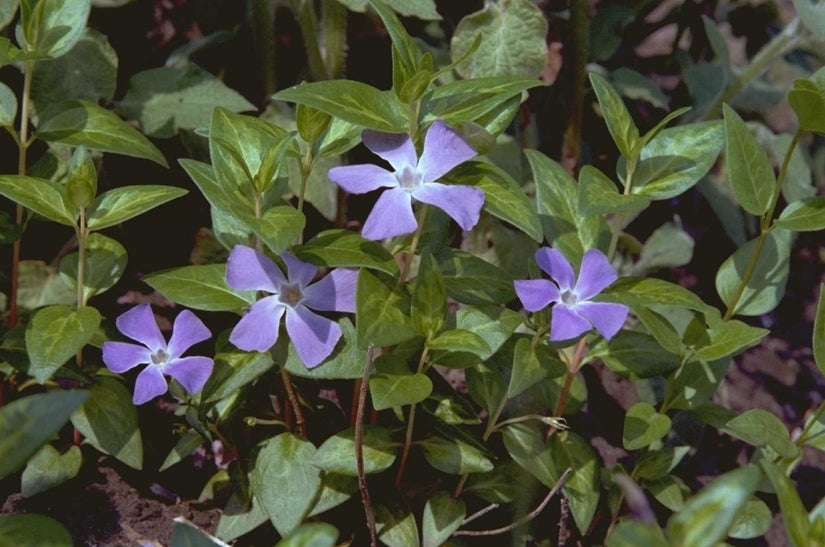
x=480 y=513
x=565 y=514
x=293 y=402
x=531 y=515
x=359 y=449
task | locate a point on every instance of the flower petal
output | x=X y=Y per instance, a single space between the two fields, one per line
x=298 y=271
x=258 y=329
x=566 y=324
x=249 y=270
x=535 y=294
x=122 y=356
x=335 y=292
x=149 y=384
x=139 y=324
x=361 y=178
x=187 y=331
x=462 y=203
x=314 y=336
x=596 y=275
x=396 y=148
x=191 y=372
x=391 y=216
x=444 y=148
x=607 y=317
x=552 y=261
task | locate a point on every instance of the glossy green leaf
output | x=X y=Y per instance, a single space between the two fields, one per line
x=352 y=101
x=794 y=514
x=476 y=99
x=29 y=422
x=344 y=248
x=766 y=285
x=650 y=292
x=30 y=530
x=121 y=204
x=442 y=516
x=486 y=385
x=752 y=521
x=459 y=340
x=313 y=534
x=278 y=228
x=7 y=11
x=40 y=285
x=235 y=206
x=513 y=40
x=759 y=427
x=185 y=447
x=643 y=426
x=818 y=343
x=493 y=324
x=812 y=15
x=382 y=311
x=408 y=52
x=8 y=106
x=428 y=305
x=618 y=119
x=239 y=518
x=49 y=468
x=41 y=196
x=669 y=246
x=346 y=362
x=167 y=99
x=635 y=86
x=83 y=123
x=335 y=490
x=337 y=453
x=201 y=287
x=634 y=355
x=694 y=383
x=187 y=534
x=396 y=525
x=806 y=215
x=453 y=410
x=730 y=338
x=670 y=491
x=454 y=456
x=501 y=485
x=598 y=195
x=656 y=464
x=660 y=328
x=285 y=481
x=393 y=384
x=104 y=264
x=51 y=27
x=527 y=369
x=706 y=517
x=749 y=170
x=232 y=371
x=634 y=533
x=109 y=421
x=55 y=334
x=472 y=280
x=318 y=190
x=808 y=102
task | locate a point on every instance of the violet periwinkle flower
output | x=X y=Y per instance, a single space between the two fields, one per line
x=412 y=178
x=314 y=336
x=161 y=357
x=573 y=313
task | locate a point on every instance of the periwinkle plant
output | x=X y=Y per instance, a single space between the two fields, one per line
x=468 y=264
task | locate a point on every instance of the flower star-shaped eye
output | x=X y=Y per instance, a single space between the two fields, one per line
x=160 y=357
x=412 y=178
x=573 y=313
x=295 y=295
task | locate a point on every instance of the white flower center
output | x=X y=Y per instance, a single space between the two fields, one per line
x=568 y=298
x=290 y=295
x=159 y=357
x=408 y=178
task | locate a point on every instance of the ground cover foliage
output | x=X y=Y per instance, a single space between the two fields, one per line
x=430 y=234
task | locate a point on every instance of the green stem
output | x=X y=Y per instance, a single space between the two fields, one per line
x=261 y=20
x=304 y=11
x=405 y=452
x=335 y=37
x=573 y=135
x=621 y=217
x=414 y=244
x=814 y=419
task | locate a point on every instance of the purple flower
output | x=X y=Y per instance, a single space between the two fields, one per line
x=139 y=324
x=314 y=336
x=412 y=178
x=573 y=313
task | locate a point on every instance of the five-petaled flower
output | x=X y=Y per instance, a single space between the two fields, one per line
x=161 y=357
x=314 y=336
x=573 y=313
x=412 y=178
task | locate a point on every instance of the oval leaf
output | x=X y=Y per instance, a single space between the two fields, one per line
x=200 y=287
x=121 y=204
x=55 y=334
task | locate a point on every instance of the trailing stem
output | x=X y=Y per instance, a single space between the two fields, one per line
x=621 y=217
x=359 y=447
x=405 y=452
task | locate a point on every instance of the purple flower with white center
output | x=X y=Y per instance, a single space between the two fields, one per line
x=412 y=178
x=573 y=313
x=314 y=336
x=161 y=357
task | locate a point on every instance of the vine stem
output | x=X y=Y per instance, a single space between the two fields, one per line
x=405 y=271
x=620 y=218
x=81 y=270
x=359 y=448
x=405 y=452
x=304 y=11
x=23 y=146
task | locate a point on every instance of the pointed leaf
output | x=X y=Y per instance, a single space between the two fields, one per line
x=751 y=173
x=806 y=215
x=598 y=195
x=52 y=27
x=442 y=516
x=30 y=530
x=55 y=334
x=794 y=514
x=200 y=287
x=382 y=311
x=39 y=195
x=454 y=456
x=618 y=120
x=344 y=248
x=337 y=453
x=643 y=425
x=121 y=204
x=104 y=264
x=49 y=468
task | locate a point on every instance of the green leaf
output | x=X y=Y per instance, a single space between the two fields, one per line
x=185 y=447
x=812 y=15
x=41 y=196
x=706 y=518
x=794 y=514
x=618 y=120
x=453 y=410
x=8 y=106
x=643 y=426
x=818 y=343
x=634 y=355
x=313 y=534
x=661 y=329
x=382 y=311
x=82 y=123
x=669 y=246
x=694 y=383
x=29 y=422
x=337 y=453
x=769 y=276
x=344 y=248
x=428 y=306
x=806 y=215
x=636 y=87
x=7 y=11
x=49 y=468
x=51 y=27
x=104 y=264
x=408 y=53
x=472 y=280
x=108 y=420
x=557 y=198
x=650 y=292
x=442 y=516
x=513 y=41
x=232 y=371
x=656 y=464
x=285 y=481
x=121 y=204
x=230 y=207
x=750 y=172
x=186 y=534
x=56 y=334
x=730 y=338
x=165 y=100
x=808 y=102
x=670 y=491
x=486 y=385
x=345 y=363
x=40 y=285
x=633 y=533
x=396 y=524
x=319 y=191
x=501 y=485
x=459 y=340
x=201 y=287
x=30 y=530
x=759 y=427
x=527 y=369
x=476 y=99
x=752 y=521
x=493 y=324
x=239 y=518
x=279 y=227
x=335 y=490
x=352 y=101
x=454 y=456
x=393 y=384
x=598 y=195
x=503 y=197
